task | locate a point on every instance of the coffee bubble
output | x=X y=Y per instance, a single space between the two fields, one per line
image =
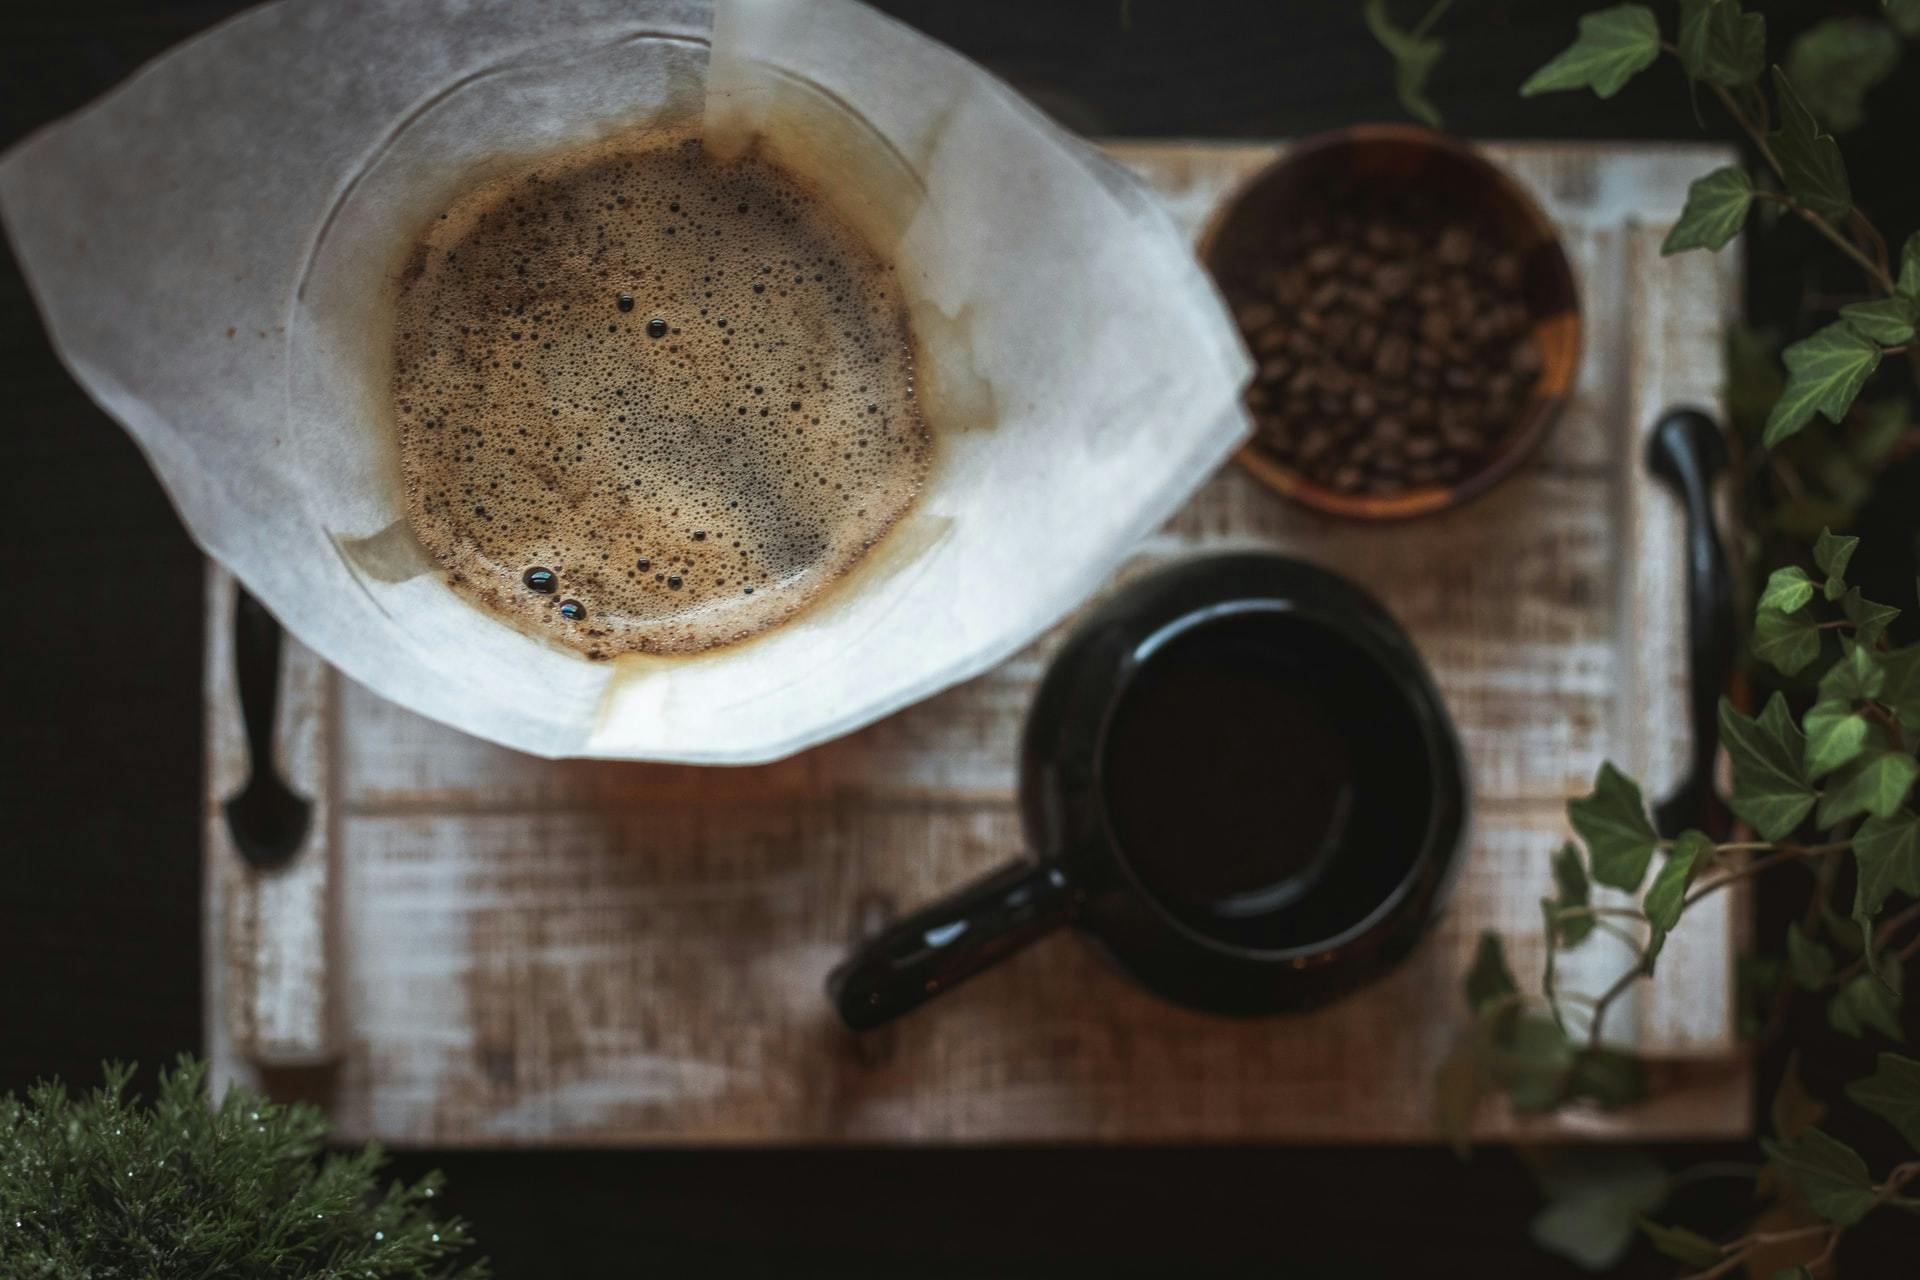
x=695 y=462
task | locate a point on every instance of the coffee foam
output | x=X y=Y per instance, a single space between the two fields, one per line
x=687 y=490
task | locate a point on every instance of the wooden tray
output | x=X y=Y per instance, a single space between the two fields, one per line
x=482 y=948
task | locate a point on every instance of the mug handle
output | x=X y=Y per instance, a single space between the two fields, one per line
x=1686 y=451
x=937 y=947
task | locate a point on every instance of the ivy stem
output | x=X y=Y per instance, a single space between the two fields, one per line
x=1874 y=270
x=1575 y=913
x=1779 y=1237
x=1434 y=15
x=1782 y=853
x=1607 y=998
x=1783 y=987
x=1818 y=1266
x=1882 y=936
x=1779 y=853
x=1737 y=1250
x=1616 y=931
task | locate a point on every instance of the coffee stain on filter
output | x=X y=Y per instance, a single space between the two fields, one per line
x=755 y=107
x=953 y=394
x=392 y=555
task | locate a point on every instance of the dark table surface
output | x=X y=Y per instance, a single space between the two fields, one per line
x=101 y=738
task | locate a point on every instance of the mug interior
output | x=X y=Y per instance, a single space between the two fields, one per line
x=1267 y=778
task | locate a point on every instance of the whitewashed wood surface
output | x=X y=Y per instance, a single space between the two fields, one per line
x=482 y=948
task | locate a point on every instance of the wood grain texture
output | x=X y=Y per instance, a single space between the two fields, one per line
x=270 y=936
x=588 y=952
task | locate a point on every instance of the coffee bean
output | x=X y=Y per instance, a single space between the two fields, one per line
x=1392 y=358
x=1391 y=341
x=1254 y=316
x=1455 y=246
x=1392 y=279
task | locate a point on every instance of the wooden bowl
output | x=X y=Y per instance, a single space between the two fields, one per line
x=1395 y=158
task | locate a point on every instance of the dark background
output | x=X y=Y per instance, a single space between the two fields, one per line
x=100 y=750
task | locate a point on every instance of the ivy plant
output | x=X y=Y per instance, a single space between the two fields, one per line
x=1823 y=772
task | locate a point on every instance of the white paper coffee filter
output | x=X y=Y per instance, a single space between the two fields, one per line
x=213 y=246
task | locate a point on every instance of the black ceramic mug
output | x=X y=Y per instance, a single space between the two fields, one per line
x=1237 y=780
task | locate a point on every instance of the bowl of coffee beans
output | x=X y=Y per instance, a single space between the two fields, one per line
x=1411 y=314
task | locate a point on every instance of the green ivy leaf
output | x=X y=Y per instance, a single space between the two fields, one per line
x=1789 y=641
x=1888 y=321
x=1613 y=46
x=1794 y=1110
x=1870 y=621
x=1716 y=207
x=1456 y=1094
x=1607 y=1077
x=1892 y=1092
x=1753 y=377
x=1613 y=822
x=1413 y=61
x=1857 y=677
x=1532 y=1063
x=1690 y=854
x=1788 y=589
x=1490 y=980
x=1887 y=853
x=1770 y=785
x=1836 y=733
x=1829 y=1173
x=1908 y=283
x=1721 y=45
x=1810 y=963
x=1681 y=1244
x=1655 y=944
x=1547 y=987
x=1876 y=781
x=1844 y=932
x=1869 y=1001
x=1832 y=553
x=1595 y=1197
x=1837 y=62
x=1809 y=159
x=1825 y=371
x=1904 y=15
x=1901 y=689
x=1755 y=979
x=1875 y=962
x=1570 y=878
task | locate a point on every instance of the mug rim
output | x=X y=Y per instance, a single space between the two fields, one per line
x=1412 y=690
